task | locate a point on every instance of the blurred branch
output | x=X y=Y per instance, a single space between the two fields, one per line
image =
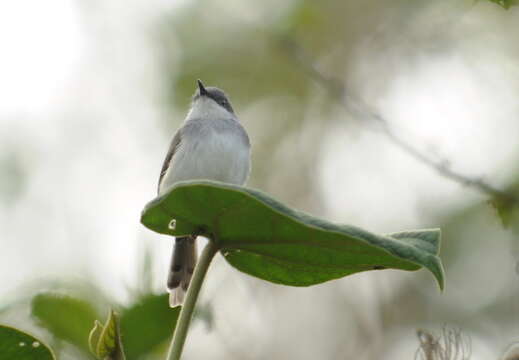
x=512 y=353
x=450 y=345
x=359 y=108
x=428 y=345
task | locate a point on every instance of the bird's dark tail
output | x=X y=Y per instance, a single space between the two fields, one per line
x=183 y=261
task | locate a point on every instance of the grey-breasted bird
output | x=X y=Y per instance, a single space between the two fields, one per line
x=211 y=144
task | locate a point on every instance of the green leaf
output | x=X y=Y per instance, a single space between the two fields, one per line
x=505 y=3
x=505 y=204
x=505 y=209
x=262 y=237
x=66 y=317
x=147 y=324
x=95 y=335
x=18 y=345
x=109 y=343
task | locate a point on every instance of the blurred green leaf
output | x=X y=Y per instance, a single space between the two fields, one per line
x=18 y=345
x=262 y=237
x=305 y=15
x=67 y=318
x=262 y=70
x=505 y=209
x=505 y=3
x=506 y=204
x=109 y=345
x=146 y=324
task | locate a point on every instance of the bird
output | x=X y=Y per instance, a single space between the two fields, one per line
x=211 y=144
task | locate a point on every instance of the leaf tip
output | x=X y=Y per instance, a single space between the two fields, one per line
x=439 y=274
x=105 y=340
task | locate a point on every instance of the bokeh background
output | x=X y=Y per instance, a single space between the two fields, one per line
x=91 y=93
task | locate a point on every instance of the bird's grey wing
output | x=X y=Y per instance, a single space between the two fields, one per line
x=175 y=143
x=244 y=135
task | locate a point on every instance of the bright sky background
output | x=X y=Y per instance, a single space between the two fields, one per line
x=41 y=47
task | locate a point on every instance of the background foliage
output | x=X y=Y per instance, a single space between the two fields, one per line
x=93 y=90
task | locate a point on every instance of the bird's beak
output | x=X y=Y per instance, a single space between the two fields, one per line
x=201 y=87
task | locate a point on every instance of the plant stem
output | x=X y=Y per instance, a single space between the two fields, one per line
x=180 y=333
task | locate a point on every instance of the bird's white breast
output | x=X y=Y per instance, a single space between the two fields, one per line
x=210 y=148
